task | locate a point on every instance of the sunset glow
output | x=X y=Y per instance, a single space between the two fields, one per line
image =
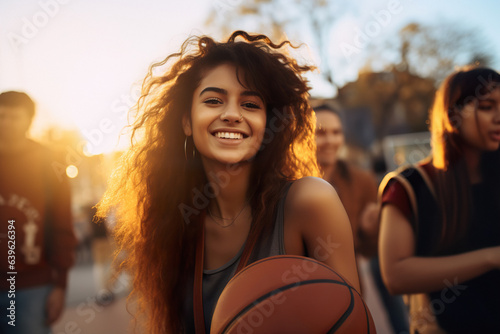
x=83 y=61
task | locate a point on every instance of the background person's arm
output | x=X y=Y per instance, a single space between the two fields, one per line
x=368 y=226
x=403 y=272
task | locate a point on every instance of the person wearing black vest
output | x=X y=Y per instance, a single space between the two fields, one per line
x=440 y=220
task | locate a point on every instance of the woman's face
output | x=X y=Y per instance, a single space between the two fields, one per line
x=480 y=128
x=329 y=137
x=227 y=120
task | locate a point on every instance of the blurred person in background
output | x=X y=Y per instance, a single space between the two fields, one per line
x=440 y=220
x=35 y=199
x=357 y=189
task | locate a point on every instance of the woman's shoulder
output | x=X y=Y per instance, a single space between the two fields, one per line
x=310 y=188
x=311 y=194
x=314 y=211
x=422 y=170
x=398 y=187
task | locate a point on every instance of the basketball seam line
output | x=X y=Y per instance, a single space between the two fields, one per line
x=344 y=316
x=281 y=289
x=291 y=257
x=366 y=314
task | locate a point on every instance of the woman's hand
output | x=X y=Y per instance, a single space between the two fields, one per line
x=55 y=304
x=369 y=223
x=493 y=256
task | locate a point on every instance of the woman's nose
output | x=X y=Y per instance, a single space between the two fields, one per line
x=332 y=138
x=496 y=116
x=231 y=114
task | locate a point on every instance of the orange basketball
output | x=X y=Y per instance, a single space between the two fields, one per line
x=290 y=294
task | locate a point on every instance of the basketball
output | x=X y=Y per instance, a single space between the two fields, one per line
x=290 y=294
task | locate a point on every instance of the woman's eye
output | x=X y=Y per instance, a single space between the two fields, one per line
x=212 y=100
x=485 y=107
x=251 y=105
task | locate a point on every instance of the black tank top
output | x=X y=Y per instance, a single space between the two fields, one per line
x=472 y=306
x=215 y=280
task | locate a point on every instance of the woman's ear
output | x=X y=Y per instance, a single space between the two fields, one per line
x=186 y=125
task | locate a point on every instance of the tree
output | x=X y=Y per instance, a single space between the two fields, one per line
x=301 y=20
x=432 y=50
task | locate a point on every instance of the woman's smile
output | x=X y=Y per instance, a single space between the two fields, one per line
x=233 y=134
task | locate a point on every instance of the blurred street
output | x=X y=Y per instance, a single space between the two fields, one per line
x=84 y=315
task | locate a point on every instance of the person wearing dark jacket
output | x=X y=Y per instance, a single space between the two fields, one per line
x=37 y=240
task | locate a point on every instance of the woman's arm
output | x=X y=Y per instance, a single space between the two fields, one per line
x=368 y=223
x=315 y=212
x=403 y=272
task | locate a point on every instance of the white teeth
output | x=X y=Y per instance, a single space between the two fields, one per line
x=229 y=135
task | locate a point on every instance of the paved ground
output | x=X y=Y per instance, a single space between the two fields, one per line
x=89 y=310
x=84 y=316
x=373 y=301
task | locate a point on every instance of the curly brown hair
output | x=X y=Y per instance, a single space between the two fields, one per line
x=156 y=182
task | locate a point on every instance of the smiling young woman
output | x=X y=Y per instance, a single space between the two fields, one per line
x=227 y=166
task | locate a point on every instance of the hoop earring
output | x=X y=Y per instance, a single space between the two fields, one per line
x=185 y=149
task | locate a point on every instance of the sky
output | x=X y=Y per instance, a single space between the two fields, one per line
x=83 y=61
